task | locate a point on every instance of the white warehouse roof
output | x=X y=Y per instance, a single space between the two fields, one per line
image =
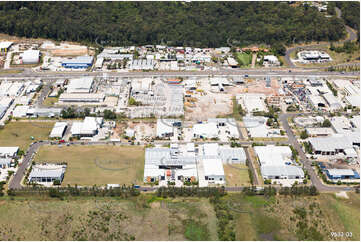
x=58 y=130
x=271 y=155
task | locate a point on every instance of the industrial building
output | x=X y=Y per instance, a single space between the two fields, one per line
x=5 y=46
x=45 y=173
x=176 y=164
x=341 y=125
x=80 y=62
x=205 y=130
x=87 y=128
x=43 y=112
x=336 y=144
x=167 y=127
x=58 y=130
x=276 y=162
x=212 y=164
x=142 y=64
x=80 y=85
x=82 y=97
x=342 y=174
x=30 y=57
x=8 y=152
x=318 y=132
x=252 y=102
x=5 y=163
x=333 y=103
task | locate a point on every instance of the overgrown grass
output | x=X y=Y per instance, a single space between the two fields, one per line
x=195 y=230
x=244 y=59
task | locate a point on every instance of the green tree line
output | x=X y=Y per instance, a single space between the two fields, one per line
x=202 y=24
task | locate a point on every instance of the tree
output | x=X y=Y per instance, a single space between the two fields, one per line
x=279 y=48
x=109 y=114
x=304 y=134
x=326 y=123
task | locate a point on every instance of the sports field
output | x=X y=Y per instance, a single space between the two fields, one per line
x=20 y=133
x=96 y=164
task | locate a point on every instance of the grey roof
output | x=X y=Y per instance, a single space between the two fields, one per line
x=227 y=153
x=5 y=161
x=162 y=156
x=43 y=172
x=286 y=170
x=335 y=142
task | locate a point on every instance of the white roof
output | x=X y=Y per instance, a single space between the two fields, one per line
x=340 y=172
x=88 y=126
x=54 y=171
x=210 y=150
x=252 y=102
x=165 y=126
x=208 y=130
x=58 y=130
x=332 y=143
x=319 y=131
x=271 y=155
x=270 y=58
x=353 y=100
x=213 y=167
x=8 y=151
x=341 y=124
x=283 y=170
x=5 y=44
x=80 y=85
x=31 y=56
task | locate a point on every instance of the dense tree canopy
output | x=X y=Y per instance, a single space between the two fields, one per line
x=204 y=24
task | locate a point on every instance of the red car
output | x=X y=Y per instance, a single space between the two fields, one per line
x=62 y=141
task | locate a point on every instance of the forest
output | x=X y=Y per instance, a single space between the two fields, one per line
x=201 y=24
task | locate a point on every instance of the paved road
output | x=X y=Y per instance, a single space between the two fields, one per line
x=15 y=182
x=275 y=72
x=351 y=37
x=303 y=158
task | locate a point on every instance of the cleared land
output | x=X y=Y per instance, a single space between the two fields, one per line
x=139 y=218
x=98 y=164
x=19 y=133
x=236 y=175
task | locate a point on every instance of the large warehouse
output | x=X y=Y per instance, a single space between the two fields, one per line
x=80 y=85
x=82 y=97
x=276 y=163
x=31 y=56
x=80 y=62
x=45 y=173
x=336 y=144
x=339 y=174
x=58 y=130
x=175 y=164
x=88 y=128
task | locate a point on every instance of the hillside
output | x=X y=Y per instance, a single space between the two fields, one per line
x=203 y=24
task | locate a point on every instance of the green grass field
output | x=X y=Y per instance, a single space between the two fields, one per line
x=244 y=59
x=98 y=164
x=19 y=133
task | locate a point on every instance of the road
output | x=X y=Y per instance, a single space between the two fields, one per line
x=274 y=72
x=303 y=158
x=15 y=182
x=351 y=37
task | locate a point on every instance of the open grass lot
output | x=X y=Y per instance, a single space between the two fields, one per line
x=236 y=175
x=19 y=133
x=147 y=217
x=244 y=59
x=97 y=164
x=276 y=218
x=50 y=101
x=139 y=218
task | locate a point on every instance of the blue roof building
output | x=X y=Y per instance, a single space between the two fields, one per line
x=80 y=62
